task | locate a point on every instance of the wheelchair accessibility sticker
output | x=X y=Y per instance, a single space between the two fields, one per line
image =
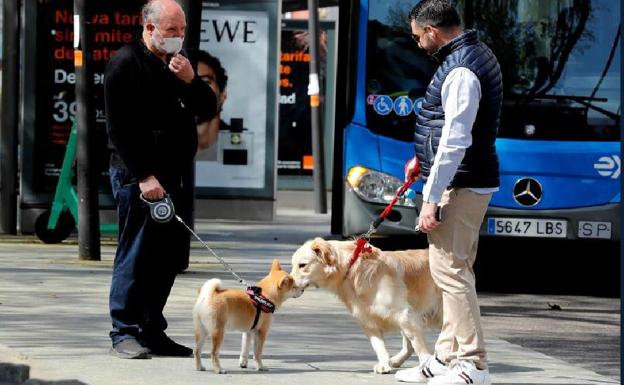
x=383 y=104
x=417 y=104
x=403 y=106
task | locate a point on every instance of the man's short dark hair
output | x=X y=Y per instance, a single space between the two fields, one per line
x=437 y=13
x=215 y=64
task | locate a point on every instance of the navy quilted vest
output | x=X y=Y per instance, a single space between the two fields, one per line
x=479 y=168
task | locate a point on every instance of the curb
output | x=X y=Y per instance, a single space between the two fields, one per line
x=15 y=370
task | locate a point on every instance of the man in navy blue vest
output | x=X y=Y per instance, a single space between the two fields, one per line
x=455 y=134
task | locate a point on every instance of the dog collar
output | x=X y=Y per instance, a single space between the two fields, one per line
x=262 y=303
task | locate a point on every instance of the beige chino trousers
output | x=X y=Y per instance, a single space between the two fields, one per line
x=452 y=252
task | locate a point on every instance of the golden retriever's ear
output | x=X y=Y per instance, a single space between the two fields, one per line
x=276 y=266
x=323 y=250
x=287 y=281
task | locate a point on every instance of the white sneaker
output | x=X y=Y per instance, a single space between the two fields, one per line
x=463 y=372
x=424 y=372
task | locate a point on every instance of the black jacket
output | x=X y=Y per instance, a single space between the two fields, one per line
x=151 y=115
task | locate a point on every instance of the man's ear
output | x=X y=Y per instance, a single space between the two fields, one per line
x=276 y=266
x=323 y=250
x=287 y=281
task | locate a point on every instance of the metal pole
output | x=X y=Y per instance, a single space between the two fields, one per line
x=192 y=9
x=88 y=216
x=8 y=126
x=348 y=16
x=314 y=90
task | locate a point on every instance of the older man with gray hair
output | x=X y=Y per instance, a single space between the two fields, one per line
x=153 y=98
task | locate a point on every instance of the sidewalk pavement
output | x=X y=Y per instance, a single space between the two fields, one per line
x=54 y=318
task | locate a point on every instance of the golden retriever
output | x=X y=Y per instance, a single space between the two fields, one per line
x=383 y=290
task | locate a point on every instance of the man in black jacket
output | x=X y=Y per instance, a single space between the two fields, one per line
x=153 y=98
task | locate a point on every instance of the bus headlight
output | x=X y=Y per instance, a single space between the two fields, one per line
x=376 y=187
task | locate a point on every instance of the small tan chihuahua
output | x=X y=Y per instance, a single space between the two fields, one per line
x=217 y=310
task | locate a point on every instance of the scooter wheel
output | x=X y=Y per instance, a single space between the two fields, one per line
x=63 y=229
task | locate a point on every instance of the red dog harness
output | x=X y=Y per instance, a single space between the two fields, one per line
x=262 y=303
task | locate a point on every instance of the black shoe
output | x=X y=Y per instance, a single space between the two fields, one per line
x=129 y=348
x=165 y=346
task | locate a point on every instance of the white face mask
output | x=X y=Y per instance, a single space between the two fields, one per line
x=170 y=45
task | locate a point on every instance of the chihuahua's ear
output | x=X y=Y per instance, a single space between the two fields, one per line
x=323 y=250
x=287 y=281
x=276 y=266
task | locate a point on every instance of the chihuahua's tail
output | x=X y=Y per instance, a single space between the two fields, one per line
x=199 y=310
x=209 y=288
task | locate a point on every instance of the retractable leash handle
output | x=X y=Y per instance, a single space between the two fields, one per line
x=162 y=211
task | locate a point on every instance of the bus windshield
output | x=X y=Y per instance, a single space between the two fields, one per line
x=397 y=71
x=560 y=62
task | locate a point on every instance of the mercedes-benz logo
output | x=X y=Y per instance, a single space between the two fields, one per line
x=527 y=192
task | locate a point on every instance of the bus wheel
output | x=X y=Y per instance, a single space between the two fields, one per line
x=64 y=227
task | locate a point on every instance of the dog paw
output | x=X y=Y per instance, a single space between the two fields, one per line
x=396 y=363
x=201 y=368
x=242 y=364
x=382 y=368
x=220 y=371
x=398 y=360
x=262 y=369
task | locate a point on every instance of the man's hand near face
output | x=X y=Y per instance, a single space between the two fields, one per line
x=182 y=68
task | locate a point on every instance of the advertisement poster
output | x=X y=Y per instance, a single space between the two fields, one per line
x=236 y=157
x=115 y=24
x=294 y=155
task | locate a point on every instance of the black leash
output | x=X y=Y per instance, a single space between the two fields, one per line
x=225 y=264
x=163 y=211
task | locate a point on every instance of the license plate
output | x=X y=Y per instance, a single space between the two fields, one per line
x=597 y=230
x=527 y=227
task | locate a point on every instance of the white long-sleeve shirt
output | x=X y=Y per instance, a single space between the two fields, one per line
x=461 y=93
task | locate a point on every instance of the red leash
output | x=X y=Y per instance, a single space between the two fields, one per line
x=361 y=243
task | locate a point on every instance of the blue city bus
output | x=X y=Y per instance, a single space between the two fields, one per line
x=559 y=139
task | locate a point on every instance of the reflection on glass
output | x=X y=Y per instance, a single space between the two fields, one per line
x=395 y=67
x=560 y=63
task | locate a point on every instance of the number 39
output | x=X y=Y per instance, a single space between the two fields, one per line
x=63 y=111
